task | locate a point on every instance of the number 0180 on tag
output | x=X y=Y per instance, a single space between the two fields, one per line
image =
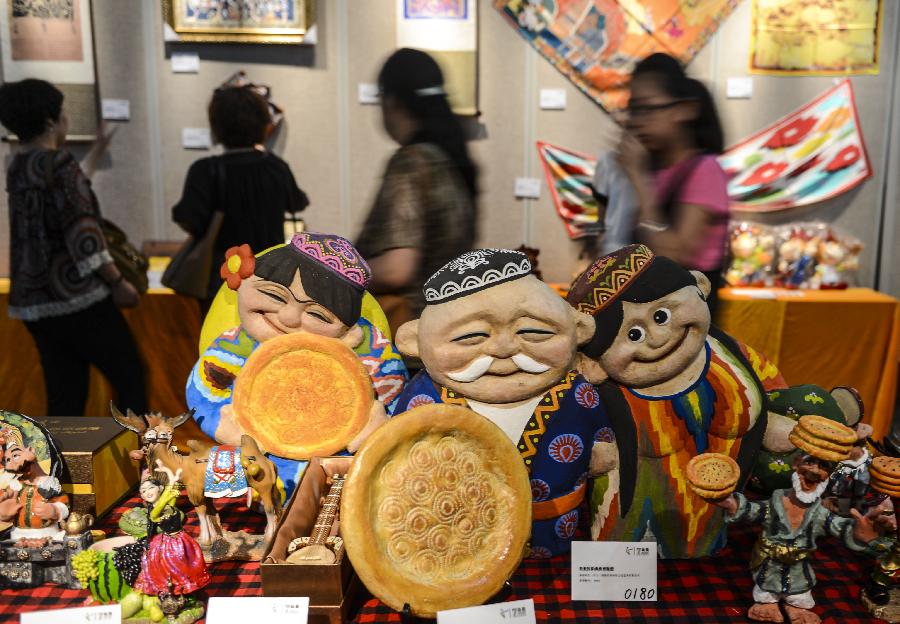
x=614 y=571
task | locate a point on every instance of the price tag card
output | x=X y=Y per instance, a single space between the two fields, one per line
x=515 y=612
x=106 y=614
x=615 y=571
x=222 y=610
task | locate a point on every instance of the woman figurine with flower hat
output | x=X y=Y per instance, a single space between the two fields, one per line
x=314 y=284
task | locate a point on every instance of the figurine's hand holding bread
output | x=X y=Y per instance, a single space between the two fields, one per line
x=713 y=477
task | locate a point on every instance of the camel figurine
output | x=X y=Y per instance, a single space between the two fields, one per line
x=211 y=471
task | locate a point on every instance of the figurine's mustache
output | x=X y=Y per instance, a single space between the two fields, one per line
x=479 y=366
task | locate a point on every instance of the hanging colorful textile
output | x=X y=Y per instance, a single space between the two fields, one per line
x=569 y=176
x=596 y=43
x=815 y=37
x=811 y=155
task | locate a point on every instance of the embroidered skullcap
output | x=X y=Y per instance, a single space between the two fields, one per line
x=474 y=271
x=634 y=274
x=335 y=253
x=332 y=271
x=14 y=438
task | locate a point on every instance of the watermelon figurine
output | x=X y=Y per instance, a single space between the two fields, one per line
x=96 y=571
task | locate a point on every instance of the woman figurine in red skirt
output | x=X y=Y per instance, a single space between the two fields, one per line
x=173 y=563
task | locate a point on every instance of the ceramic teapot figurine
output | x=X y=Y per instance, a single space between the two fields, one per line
x=77 y=523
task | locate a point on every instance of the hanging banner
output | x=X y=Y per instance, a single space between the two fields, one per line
x=597 y=43
x=569 y=176
x=815 y=37
x=811 y=155
x=447 y=30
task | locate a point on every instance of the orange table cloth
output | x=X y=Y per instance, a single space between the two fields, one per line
x=166 y=328
x=825 y=337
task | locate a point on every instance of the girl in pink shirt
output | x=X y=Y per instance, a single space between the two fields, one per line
x=668 y=151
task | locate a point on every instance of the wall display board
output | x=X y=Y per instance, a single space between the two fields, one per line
x=53 y=40
x=239 y=21
x=809 y=37
x=448 y=31
x=596 y=43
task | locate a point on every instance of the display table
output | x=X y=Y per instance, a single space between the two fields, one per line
x=708 y=590
x=825 y=337
x=166 y=327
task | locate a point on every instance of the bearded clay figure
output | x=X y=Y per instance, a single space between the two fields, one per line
x=792 y=520
x=497 y=340
x=676 y=387
x=314 y=284
x=33 y=501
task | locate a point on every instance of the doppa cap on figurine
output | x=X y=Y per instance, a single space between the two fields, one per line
x=13 y=437
x=634 y=274
x=474 y=271
x=332 y=271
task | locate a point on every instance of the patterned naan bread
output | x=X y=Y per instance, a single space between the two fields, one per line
x=302 y=395
x=436 y=510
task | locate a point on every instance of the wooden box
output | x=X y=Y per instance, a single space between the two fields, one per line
x=97 y=471
x=334 y=590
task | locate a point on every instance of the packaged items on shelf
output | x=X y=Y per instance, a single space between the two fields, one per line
x=752 y=255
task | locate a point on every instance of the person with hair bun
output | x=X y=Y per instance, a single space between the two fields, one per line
x=668 y=151
x=425 y=212
x=251 y=185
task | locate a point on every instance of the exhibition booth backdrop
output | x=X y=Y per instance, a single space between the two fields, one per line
x=337 y=148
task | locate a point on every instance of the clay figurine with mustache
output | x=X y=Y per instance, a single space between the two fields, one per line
x=497 y=340
x=792 y=520
x=674 y=387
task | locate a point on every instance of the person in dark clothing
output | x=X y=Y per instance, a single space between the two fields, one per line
x=64 y=284
x=252 y=186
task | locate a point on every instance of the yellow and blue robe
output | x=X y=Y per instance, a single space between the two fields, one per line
x=555 y=447
x=211 y=382
x=724 y=411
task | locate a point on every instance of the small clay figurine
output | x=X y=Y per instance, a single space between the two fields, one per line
x=792 y=520
x=772 y=470
x=212 y=472
x=314 y=284
x=33 y=501
x=497 y=340
x=752 y=255
x=172 y=566
x=677 y=387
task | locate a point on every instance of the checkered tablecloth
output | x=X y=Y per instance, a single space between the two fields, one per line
x=690 y=592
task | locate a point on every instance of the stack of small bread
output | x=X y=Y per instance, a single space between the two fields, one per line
x=713 y=476
x=823 y=438
x=884 y=475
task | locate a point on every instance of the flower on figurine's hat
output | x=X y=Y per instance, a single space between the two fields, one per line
x=634 y=274
x=474 y=271
x=238 y=266
x=332 y=271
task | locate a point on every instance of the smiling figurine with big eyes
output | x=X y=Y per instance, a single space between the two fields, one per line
x=314 y=284
x=496 y=339
x=675 y=386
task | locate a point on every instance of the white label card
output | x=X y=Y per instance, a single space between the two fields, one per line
x=515 y=612
x=614 y=571
x=106 y=614
x=185 y=62
x=739 y=88
x=368 y=93
x=196 y=138
x=222 y=610
x=553 y=99
x=529 y=188
x=115 y=110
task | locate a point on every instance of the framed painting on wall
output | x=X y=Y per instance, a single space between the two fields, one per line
x=239 y=21
x=815 y=37
x=448 y=31
x=53 y=40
